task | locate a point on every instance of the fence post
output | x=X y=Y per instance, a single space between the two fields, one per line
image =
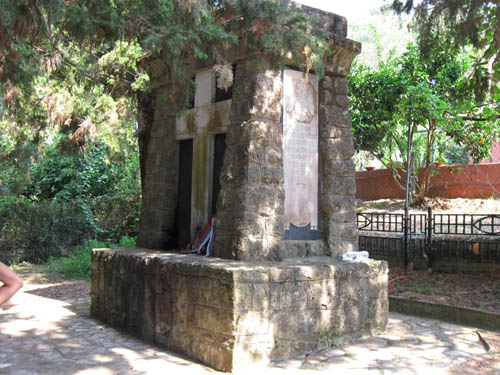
x=406 y=241
x=429 y=245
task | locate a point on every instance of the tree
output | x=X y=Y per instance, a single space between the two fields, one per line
x=423 y=96
x=95 y=56
x=464 y=24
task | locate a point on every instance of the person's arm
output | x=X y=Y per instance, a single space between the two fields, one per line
x=11 y=283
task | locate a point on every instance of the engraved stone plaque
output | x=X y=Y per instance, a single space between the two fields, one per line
x=300 y=149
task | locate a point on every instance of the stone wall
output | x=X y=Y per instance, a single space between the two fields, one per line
x=157 y=224
x=233 y=314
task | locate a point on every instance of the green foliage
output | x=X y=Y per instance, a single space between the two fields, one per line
x=61 y=176
x=101 y=52
x=34 y=232
x=72 y=75
x=422 y=98
x=426 y=93
x=464 y=24
x=75 y=266
x=78 y=263
x=68 y=198
x=372 y=97
x=382 y=34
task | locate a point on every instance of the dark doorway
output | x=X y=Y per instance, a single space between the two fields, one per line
x=219 y=149
x=184 y=189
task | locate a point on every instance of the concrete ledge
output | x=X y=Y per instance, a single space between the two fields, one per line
x=234 y=314
x=447 y=313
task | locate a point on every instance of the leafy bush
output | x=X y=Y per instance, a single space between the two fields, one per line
x=35 y=231
x=64 y=176
x=71 y=196
x=78 y=263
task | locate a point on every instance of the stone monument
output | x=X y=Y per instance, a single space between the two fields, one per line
x=271 y=159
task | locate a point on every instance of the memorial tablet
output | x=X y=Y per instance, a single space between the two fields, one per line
x=300 y=149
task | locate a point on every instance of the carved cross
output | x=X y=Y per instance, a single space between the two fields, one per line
x=201 y=124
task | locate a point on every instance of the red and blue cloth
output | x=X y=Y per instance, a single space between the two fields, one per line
x=206 y=238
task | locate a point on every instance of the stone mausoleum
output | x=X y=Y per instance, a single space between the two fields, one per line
x=271 y=159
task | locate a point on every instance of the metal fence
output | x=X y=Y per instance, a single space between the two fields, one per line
x=457 y=237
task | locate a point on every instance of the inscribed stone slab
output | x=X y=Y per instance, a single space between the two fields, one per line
x=300 y=149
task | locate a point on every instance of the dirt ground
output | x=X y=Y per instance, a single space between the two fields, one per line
x=474 y=291
x=51 y=285
x=439 y=205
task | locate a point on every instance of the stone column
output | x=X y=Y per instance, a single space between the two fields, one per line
x=338 y=184
x=249 y=221
x=159 y=203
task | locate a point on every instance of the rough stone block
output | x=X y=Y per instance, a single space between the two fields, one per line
x=164 y=106
x=338 y=185
x=257 y=132
x=339 y=247
x=261 y=200
x=247 y=174
x=282 y=274
x=233 y=315
x=340 y=86
x=327 y=98
x=274 y=155
x=241 y=274
x=336 y=116
x=322 y=295
x=271 y=174
x=318 y=272
x=339 y=168
x=333 y=203
x=340 y=150
x=293 y=296
x=331 y=131
x=258 y=107
x=214 y=319
x=341 y=101
x=164 y=128
x=261 y=297
x=243 y=296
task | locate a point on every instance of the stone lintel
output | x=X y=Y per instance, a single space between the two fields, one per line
x=234 y=314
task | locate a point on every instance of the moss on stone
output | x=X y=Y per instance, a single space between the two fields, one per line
x=191 y=122
x=200 y=175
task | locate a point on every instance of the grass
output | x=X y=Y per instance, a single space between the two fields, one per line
x=77 y=264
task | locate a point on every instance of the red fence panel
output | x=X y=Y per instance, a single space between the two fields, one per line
x=453 y=181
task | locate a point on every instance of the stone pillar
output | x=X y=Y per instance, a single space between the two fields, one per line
x=159 y=203
x=249 y=221
x=338 y=184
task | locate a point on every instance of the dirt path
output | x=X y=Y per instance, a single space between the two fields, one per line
x=439 y=205
x=51 y=285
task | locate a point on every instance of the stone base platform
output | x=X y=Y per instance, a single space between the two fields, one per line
x=232 y=314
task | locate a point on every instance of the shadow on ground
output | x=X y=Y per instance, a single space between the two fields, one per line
x=46 y=336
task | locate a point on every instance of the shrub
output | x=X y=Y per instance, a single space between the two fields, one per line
x=70 y=198
x=78 y=263
x=35 y=231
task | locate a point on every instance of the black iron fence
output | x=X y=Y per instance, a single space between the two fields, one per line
x=460 y=237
